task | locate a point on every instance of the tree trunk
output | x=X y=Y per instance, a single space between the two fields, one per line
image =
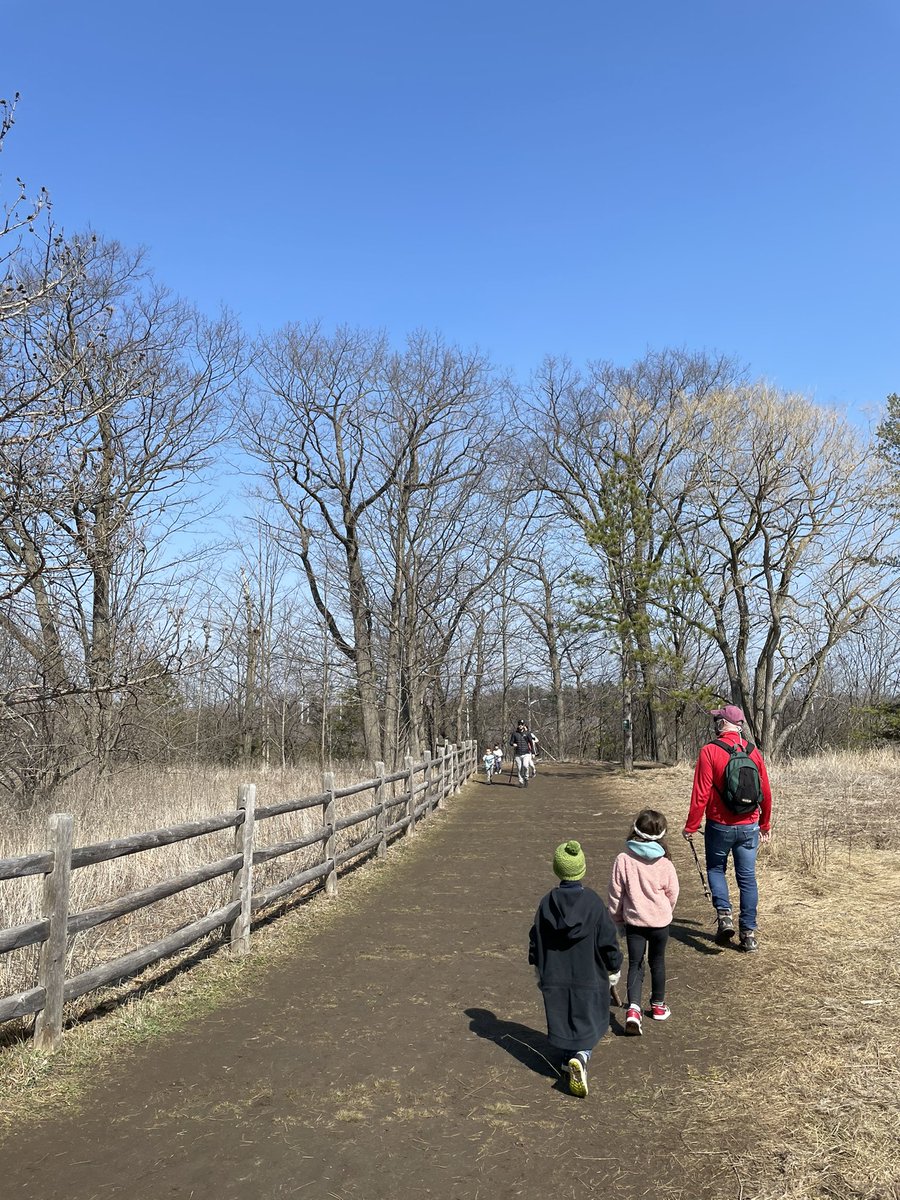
x=627 y=713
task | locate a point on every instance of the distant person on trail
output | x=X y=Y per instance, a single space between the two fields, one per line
x=523 y=749
x=643 y=890
x=574 y=948
x=493 y=760
x=731 y=788
x=535 y=751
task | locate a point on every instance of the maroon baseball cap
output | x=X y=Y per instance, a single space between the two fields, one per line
x=731 y=713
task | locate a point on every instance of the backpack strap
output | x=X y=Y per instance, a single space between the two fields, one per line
x=723 y=745
x=748 y=749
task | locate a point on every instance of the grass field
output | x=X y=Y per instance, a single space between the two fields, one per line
x=818 y=1113
x=813 y=1116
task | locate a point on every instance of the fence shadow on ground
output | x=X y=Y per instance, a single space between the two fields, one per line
x=132 y=990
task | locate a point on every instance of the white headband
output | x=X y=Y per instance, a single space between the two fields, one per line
x=648 y=837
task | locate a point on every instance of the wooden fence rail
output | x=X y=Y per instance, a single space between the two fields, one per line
x=426 y=785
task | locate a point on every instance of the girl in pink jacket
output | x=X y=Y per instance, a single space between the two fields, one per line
x=642 y=894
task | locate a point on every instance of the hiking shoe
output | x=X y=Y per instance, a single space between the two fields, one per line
x=578 y=1085
x=525 y=784
x=633 y=1020
x=660 y=1012
x=725 y=927
x=748 y=941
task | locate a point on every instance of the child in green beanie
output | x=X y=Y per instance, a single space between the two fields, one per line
x=574 y=947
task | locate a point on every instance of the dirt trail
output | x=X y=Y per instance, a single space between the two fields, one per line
x=401 y=1056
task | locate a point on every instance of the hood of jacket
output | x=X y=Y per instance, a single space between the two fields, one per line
x=571 y=911
x=647 y=851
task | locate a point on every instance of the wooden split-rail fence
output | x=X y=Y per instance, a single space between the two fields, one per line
x=425 y=786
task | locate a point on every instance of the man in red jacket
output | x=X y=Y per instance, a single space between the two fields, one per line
x=727 y=832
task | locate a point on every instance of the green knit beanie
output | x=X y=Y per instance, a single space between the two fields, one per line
x=568 y=861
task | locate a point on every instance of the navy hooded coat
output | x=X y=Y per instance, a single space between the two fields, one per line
x=574 y=946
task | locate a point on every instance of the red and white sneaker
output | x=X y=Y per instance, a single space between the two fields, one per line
x=660 y=1012
x=633 y=1020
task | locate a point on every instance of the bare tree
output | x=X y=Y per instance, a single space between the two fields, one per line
x=19 y=219
x=616 y=441
x=308 y=427
x=787 y=536
x=446 y=500
x=367 y=452
x=128 y=392
x=34 y=261
x=547 y=604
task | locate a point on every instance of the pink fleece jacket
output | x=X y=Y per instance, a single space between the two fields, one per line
x=642 y=892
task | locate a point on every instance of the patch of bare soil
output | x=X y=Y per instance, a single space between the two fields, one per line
x=403 y=1053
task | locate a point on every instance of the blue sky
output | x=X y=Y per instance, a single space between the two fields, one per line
x=591 y=178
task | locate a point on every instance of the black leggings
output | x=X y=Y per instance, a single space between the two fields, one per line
x=642 y=940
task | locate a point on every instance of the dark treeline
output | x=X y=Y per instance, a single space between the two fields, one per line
x=421 y=549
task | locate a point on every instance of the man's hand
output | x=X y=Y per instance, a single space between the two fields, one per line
x=688 y=837
x=764 y=835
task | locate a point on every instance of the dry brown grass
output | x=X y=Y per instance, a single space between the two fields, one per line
x=141 y=800
x=813 y=1113
x=828 y=1125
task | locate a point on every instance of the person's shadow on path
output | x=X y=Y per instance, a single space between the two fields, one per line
x=527 y=1046
x=694 y=938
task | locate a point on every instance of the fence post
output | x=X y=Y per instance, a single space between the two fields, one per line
x=411 y=805
x=331 y=879
x=453 y=749
x=429 y=797
x=52 y=967
x=381 y=849
x=242 y=879
x=443 y=788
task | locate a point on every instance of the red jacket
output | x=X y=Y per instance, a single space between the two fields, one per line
x=706 y=796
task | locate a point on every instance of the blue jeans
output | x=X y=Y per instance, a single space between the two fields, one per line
x=742 y=842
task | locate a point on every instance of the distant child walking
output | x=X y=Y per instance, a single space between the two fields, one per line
x=573 y=945
x=642 y=895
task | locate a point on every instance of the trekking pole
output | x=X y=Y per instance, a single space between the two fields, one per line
x=706 y=892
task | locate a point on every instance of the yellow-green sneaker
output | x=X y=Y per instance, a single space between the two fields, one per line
x=578 y=1084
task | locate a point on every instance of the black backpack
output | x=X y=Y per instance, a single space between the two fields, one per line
x=741 y=789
